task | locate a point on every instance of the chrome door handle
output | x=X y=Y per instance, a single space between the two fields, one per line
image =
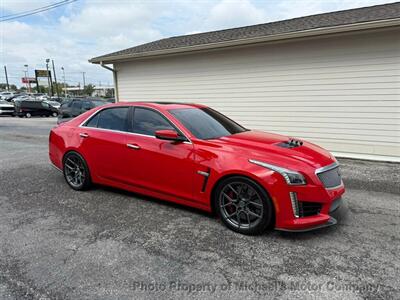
x=83 y=135
x=133 y=146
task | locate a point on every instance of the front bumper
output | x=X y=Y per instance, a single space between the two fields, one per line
x=329 y=200
x=306 y=224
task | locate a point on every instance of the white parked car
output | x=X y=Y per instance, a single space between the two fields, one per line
x=6 y=95
x=6 y=108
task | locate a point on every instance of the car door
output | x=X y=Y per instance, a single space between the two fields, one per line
x=162 y=166
x=103 y=143
x=75 y=108
x=36 y=108
x=45 y=109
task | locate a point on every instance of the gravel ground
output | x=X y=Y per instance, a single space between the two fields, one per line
x=56 y=243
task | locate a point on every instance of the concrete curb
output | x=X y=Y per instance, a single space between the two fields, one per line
x=371 y=175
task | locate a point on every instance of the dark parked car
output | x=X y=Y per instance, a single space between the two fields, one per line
x=72 y=108
x=29 y=108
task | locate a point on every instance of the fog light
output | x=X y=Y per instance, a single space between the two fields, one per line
x=295 y=204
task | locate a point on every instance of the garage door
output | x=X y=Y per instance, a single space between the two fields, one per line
x=340 y=92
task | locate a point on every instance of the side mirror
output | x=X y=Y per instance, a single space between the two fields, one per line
x=169 y=135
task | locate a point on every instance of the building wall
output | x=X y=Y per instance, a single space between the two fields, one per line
x=341 y=92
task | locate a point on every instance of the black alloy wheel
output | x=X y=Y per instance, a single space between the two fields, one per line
x=243 y=205
x=76 y=172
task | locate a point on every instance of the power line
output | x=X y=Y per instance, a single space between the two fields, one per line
x=29 y=11
x=35 y=11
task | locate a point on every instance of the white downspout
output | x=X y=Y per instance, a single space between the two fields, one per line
x=115 y=78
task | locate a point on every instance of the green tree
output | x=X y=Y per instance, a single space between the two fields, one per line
x=88 y=90
x=3 y=86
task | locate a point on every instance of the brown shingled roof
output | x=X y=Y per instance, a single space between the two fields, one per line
x=325 y=20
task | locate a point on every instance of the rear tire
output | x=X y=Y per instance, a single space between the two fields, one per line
x=54 y=114
x=28 y=115
x=76 y=171
x=243 y=205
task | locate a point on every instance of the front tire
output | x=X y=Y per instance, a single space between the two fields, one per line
x=54 y=114
x=243 y=205
x=28 y=115
x=76 y=171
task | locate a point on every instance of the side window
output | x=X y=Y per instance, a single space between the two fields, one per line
x=76 y=105
x=65 y=105
x=93 y=121
x=86 y=105
x=46 y=105
x=113 y=118
x=146 y=121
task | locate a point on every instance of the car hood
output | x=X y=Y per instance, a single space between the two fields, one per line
x=272 y=148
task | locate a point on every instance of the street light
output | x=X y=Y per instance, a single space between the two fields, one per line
x=25 y=72
x=48 y=77
x=65 y=86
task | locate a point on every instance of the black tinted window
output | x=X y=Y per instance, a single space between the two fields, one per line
x=146 y=121
x=206 y=123
x=93 y=121
x=76 y=104
x=86 y=105
x=113 y=118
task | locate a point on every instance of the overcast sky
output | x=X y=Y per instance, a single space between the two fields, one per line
x=73 y=33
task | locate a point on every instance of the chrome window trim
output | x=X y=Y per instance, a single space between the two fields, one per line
x=127 y=132
x=327 y=168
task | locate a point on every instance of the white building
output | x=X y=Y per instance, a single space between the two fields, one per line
x=333 y=79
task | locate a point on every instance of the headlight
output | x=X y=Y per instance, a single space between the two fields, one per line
x=291 y=177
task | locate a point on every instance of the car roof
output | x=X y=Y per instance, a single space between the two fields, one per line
x=160 y=105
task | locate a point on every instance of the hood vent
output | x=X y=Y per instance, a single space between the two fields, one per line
x=292 y=143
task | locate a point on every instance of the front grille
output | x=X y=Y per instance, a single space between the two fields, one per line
x=330 y=178
x=307 y=209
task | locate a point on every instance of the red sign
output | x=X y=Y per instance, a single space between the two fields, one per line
x=28 y=80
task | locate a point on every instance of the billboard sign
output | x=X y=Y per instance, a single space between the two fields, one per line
x=42 y=73
x=28 y=80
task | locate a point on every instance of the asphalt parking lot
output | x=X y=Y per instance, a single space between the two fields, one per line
x=56 y=243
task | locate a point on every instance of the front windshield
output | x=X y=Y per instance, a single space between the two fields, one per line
x=206 y=123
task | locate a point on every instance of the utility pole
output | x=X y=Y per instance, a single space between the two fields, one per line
x=84 y=82
x=48 y=77
x=55 y=78
x=65 y=86
x=5 y=71
x=28 y=82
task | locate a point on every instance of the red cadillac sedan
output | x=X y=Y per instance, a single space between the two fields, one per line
x=193 y=155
